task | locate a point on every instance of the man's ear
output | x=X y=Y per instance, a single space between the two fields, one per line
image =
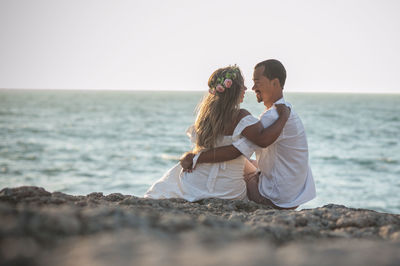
x=276 y=82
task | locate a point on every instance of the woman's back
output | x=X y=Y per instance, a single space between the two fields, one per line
x=217 y=180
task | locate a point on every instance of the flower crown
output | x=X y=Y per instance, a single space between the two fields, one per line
x=224 y=81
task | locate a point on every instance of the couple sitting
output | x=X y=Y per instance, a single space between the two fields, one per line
x=225 y=137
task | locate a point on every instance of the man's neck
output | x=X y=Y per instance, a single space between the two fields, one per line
x=273 y=100
x=268 y=105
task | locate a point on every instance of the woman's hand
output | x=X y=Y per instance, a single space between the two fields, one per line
x=282 y=110
x=186 y=161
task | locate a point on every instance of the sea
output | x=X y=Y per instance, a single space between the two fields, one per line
x=79 y=142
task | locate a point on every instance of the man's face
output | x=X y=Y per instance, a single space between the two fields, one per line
x=262 y=85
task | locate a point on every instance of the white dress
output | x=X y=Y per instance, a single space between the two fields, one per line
x=208 y=180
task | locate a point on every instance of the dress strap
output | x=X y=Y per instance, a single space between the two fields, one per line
x=195 y=158
x=212 y=177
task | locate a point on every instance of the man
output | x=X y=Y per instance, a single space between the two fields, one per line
x=284 y=179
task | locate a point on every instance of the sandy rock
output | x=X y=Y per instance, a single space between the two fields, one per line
x=23 y=194
x=118 y=229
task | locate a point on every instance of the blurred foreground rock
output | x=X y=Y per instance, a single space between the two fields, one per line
x=42 y=228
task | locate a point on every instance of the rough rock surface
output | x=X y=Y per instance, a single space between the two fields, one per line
x=42 y=228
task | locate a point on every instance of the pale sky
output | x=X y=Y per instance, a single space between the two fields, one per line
x=337 y=46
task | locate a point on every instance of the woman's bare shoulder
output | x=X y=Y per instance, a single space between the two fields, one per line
x=243 y=113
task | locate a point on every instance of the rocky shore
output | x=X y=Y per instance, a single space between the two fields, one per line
x=42 y=228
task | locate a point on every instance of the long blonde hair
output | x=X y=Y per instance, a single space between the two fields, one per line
x=218 y=111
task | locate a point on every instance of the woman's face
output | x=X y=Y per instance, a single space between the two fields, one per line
x=242 y=92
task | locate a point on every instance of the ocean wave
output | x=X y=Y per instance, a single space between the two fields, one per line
x=170 y=157
x=389 y=160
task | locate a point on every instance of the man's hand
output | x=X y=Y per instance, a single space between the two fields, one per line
x=282 y=110
x=186 y=161
x=251 y=176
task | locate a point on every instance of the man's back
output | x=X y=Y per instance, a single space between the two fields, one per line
x=286 y=178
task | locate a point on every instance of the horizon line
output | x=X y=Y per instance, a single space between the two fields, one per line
x=195 y=90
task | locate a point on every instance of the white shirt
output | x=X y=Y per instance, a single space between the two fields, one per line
x=286 y=178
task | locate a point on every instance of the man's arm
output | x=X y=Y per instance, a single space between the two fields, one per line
x=220 y=154
x=264 y=137
x=216 y=155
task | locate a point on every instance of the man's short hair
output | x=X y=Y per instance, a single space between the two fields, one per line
x=273 y=69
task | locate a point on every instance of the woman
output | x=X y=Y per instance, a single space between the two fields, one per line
x=219 y=122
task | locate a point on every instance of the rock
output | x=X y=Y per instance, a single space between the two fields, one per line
x=115 y=197
x=237 y=217
x=175 y=223
x=77 y=230
x=95 y=195
x=19 y=251
x=49 y=224
x=23 y=194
